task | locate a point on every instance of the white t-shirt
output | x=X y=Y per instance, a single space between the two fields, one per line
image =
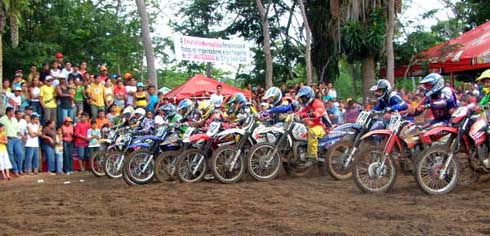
x=32 y=141
x=217 y=100
x=22 y=126
x=65 y=73
x=17 y=99
x=36 y=91
x=332 y=93
x=129 y=89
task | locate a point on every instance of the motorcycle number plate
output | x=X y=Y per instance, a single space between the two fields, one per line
x=362 y=118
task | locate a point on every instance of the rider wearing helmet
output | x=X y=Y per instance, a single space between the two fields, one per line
x=184 y=108
x=485 y=105
x=278 y=105
x=388 y=99
x=239 y=106
x=170 y=113
x=314 y=111
x=440 y=99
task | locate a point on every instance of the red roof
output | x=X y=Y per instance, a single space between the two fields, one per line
x=469 y=51
x=198 y=84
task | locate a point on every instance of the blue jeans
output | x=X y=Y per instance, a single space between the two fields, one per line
x=59 y=163
x=67 y=156
x=64 y=113
x=32 y=158
x=16 y=154
x=36 y=107
x=50 y=156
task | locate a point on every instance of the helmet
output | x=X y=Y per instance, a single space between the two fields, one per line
x=432 y=83
x=140 y=111
x=206 y=108
x=383 y=85
x=305 y=95
x=127 y=75
x=373 y=88
x=274 y=93
x=128 y=110
x=168 y=109
x=186 y=106
x=236 y=101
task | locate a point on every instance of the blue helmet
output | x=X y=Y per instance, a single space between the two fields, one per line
x=168 y=109
x=238 y=98
x=274 y=93
x=305 y=95
x=185 y=105
x=432 y=83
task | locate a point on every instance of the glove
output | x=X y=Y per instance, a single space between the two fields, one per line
x=427 y=106
x=485 y=107
x=388 y=109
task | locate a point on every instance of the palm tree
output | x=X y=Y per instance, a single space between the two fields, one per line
x=145 y=34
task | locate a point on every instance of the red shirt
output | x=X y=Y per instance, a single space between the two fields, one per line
x=82 y=129
x=118 y=90
x=67 y=133
x=318 y=110
x=103 y=78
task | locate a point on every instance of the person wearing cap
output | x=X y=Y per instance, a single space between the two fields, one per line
x=67 y=133
x=131 y=90
x=15 y=99
x=141 y=97
x=32 y=145
x=47 y=97
x=104 y=76
x=59 y=59
x=95 y=94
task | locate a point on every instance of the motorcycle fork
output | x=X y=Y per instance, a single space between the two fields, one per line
x=353 y=152
x=155 y=150
x=388 y=148
x=202 y=155
x=453 y=148
x=243 y=139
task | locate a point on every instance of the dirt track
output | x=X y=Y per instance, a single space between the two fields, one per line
x=286 y=206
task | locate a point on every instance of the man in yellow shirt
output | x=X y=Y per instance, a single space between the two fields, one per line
x=95 y=94
x=47 y=97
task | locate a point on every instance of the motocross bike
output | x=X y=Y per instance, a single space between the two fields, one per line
x=107 y=145
x=191 y=165
x=438 y=170
x=340 y=156
x=375 y=169
x=228 y=161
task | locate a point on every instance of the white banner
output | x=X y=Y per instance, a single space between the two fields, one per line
x=211 y=50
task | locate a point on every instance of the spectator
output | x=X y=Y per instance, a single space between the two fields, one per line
x=162 y=100
x=95 y=93
x=141 y=97
x=32 y=145
x=15 y=99
x=5 y=164
x=153 y=98
x=131 y=90
x=32 y=73
x=120 y=95
x=19 y=115
x=14 y=145
x=79 y=97
x=59 y=151
x=352 y=110
x=113 y=115
x=217 y=98
x=331 y=91
x=65 y=72
x=59 y=60
x=24 y=97
x=18 y=81
x=94 y=136
x=49 y=142
x=108 y=93
x=67 y=136
x=55 y=72
x=75 y=74
x=101 y=119
x=44 y=72
x=34 y=92
x=47 y=98
x=333 y=111
x=81 y=140
x=65 y=101
x=103 y=74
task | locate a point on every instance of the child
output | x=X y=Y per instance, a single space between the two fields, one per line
x=59 y=151
x=94 y=138
x=5 y=164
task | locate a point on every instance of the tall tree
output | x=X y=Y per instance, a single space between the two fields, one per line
x=145 y=34
x=390 y=55
x=267 y=45
x=309 y=77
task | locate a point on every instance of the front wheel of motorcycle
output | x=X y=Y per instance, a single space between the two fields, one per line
x=261 y=164
x=97 y=163
x=335 y=159
x=191 y=166
x=428 y=172
x=165 y=166
x=221 y=162
x=139 y=167
x=369 y=173
x=112 y=165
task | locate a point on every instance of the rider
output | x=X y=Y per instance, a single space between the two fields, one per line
x=439 y=99
x=485 y=103
x=170 y=114
x=315 y=113
x=388 y=100
x=278 y=106
x=239 y=107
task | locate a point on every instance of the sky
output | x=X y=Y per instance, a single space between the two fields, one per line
x=413 y=13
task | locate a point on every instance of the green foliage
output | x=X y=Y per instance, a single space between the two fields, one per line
x=473 y=12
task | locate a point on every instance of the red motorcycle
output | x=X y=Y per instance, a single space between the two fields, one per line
x=438 y=170
x=375 y=169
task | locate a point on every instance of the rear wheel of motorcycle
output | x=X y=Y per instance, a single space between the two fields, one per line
x=335 y=158
x=110 y=165
x=165 y=166
x=221 y=161
x=365 y=171
x=427 y=172
x=97 y=163
x=188 y=162
x=261 y=166
x=134 y=164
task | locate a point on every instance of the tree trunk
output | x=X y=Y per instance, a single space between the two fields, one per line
x=145 y=33
x=2 y=26
x=209 y=70
x=390 y=55
x=14 y=31
x=368 y=75
x=309 y=78
x=267 y=44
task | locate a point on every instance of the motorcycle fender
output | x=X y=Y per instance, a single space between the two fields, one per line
x=197 y=137
x=426 y=136
x=231 y=131
x=380 y=132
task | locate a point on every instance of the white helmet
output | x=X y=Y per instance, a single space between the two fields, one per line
x=140 y=111
x=128 y=110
